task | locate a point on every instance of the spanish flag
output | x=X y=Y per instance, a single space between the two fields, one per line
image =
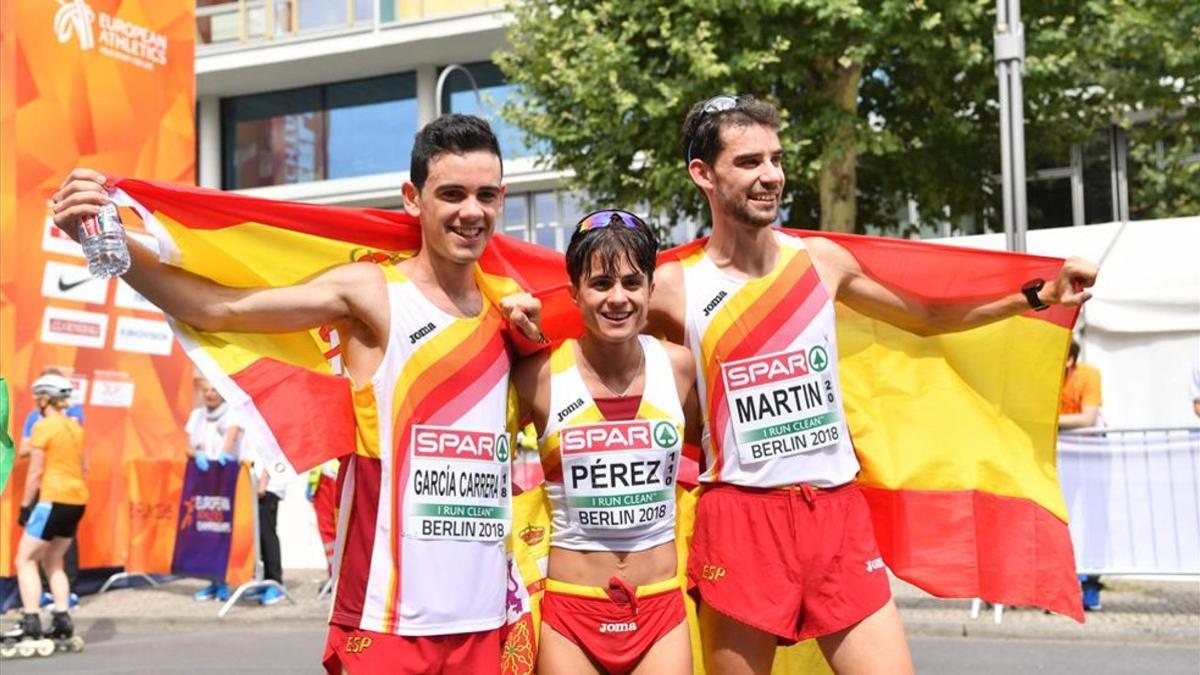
x=956 y=433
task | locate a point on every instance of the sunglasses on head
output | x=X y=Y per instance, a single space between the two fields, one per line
x=717 y=104
x=609 y=218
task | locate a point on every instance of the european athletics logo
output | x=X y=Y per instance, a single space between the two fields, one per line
x=75 y=16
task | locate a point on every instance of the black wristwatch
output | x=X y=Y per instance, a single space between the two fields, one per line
x=1030 y=289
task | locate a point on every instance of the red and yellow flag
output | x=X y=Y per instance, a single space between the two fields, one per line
x=291 y=381
x=956 y=433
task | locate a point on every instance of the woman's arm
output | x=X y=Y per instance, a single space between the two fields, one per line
x=33 y=479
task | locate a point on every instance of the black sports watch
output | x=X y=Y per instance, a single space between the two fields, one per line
x=1030 y=289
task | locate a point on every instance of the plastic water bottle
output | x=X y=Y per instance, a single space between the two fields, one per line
x=103 y=240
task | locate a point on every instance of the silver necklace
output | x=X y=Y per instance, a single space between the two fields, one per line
x=623 y=393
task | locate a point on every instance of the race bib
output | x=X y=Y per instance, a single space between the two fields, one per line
x=620 y=475
x=782 y=404
x=458 y=487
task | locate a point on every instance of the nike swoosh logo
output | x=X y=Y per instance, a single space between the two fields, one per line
x=64 y=287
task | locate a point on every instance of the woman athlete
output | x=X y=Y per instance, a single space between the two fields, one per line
x=611 y=410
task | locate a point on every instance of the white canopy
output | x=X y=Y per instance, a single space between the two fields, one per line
x=1142 y=328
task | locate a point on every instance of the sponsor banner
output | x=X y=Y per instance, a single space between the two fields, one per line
x=79 y=387
x=143 y=336
x=73 y=282
x=112 y=389
x=70 y=327
x=130 y=299
x=117 y=77
x=153 y=490
x=155 y=510
x=204 y=530
x=77 y=23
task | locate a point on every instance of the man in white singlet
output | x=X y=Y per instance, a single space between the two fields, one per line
x=421 y=568
x=784 y=548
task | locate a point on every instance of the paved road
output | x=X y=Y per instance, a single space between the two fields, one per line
x=266 y=651
x=186 y=653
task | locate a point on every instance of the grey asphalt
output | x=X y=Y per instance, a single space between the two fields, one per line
x=236 y=650
x=1146 y=626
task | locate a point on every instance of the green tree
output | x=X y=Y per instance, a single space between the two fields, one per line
x=883 y=101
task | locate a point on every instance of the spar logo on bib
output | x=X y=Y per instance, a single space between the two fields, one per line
x=447 y=443
x=666 y=435
x=614 y=437
x=502 y=448
x=775 y=368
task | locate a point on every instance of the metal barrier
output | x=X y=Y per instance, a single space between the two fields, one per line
x=1133 y=496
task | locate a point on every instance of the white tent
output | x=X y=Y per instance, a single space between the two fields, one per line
x=1142 y=328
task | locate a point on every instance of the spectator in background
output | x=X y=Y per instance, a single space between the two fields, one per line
x=71 y=559
x=1080 y=400
x=322 y=492
x=1196 y=389
x=52 y=504
x=1079 y=408
x=214 y=435
x=271 y=487
x=75 y=411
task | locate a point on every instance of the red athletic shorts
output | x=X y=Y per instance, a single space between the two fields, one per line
x=797 y=562
x=366 y=652
x=617 y=625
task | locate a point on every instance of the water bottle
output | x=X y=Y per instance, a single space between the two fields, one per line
x=103 y=240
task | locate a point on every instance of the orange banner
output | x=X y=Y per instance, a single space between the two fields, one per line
x=154 y=490
x=107 y=84
x=153 y=502
x=242 y=552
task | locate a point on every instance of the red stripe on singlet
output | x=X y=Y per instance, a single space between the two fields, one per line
x=441 y=393
x=795 y=305
x=359 y=540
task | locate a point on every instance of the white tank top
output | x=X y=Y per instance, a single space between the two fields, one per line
x=611 y=485
x=766 y=352
x=426 y=501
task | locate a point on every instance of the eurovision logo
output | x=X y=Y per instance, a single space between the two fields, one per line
x=143 y=336
x=119 y=39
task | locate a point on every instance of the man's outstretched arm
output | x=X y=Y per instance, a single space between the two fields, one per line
x=853 y=286
x=326 y=298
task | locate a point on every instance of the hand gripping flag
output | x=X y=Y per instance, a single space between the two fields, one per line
x=956 y=433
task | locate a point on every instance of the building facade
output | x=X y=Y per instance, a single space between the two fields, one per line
x=318 y=101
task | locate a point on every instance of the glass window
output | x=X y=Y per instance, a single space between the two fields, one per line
x=323 y=14
x=545 y=219
x=1097 y=180
x=494 y=91
x=1048 y=203
x=336 y=130
x=516 y=216
x=572 y=212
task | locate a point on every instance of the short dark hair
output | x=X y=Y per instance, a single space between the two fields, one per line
x=638 y=245
x=702 y=131
x=459 y=134
x=1073 y=352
